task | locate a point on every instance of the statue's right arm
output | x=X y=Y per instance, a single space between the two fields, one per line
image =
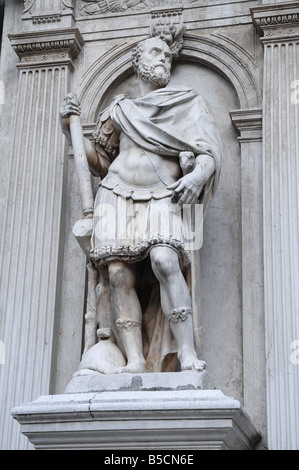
x=71 y=106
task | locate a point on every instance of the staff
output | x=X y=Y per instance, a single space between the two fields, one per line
x=84 y=176
x=83 y=228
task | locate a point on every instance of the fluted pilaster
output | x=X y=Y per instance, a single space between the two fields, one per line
x=31 y=257
x=279 y=26
x=248 y=123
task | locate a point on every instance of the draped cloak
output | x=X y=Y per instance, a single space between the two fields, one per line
x=164 y=122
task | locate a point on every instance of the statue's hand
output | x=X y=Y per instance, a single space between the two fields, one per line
x=188 y=188
x=70 y=105
x=187 y=162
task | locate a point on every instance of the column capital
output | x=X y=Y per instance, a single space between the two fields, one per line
x=277 y=22
x=45 y=48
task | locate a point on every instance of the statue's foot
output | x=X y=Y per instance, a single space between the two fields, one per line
x=191 y=362
x=132 y=368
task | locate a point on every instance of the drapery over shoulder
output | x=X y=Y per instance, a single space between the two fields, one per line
x=168 y=121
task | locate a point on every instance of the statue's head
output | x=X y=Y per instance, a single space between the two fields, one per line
x=152 y=57
x=151 y=60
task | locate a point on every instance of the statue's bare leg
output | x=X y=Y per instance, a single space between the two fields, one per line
x=127 y=314
x=176 y=304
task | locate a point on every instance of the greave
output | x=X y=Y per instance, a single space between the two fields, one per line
x=179 y=314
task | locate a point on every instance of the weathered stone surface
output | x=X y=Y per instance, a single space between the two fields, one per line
x=88 y=381
x=176 y=419
x=42 y=267
x=279 y=27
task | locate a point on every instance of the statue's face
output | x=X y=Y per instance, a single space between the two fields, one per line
x=157 y=53
x=155 y=62
x=163 y=32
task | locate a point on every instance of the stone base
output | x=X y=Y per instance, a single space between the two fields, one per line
x=90 y=381
x=168 y=415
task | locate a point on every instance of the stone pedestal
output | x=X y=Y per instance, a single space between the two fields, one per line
x=147 y=411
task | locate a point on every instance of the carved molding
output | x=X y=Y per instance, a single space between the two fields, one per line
x=278 y=21
x=47 y=45
x=46 y=19
x=50 y=12
x=28 y=4
x=100 y=7
x=248 y=123
x=173 y=14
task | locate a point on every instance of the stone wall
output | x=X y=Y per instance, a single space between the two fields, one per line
x=84 y=47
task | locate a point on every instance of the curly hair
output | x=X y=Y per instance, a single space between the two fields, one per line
x=176 y=45
x=165 y=24
x=136 y=54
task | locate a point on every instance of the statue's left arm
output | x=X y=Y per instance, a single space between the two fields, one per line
x=200 y=183
x=187 y=189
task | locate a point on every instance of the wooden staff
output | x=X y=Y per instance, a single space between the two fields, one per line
x=84 y=176
x=83 y=228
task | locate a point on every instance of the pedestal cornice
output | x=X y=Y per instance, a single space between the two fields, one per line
x=155 y=419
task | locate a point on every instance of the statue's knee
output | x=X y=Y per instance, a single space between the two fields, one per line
x=120 y=277
x=165 y=262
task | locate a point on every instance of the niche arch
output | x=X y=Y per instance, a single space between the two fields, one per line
x=225 y=57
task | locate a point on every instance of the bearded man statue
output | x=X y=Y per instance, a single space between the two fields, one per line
x=156 y=155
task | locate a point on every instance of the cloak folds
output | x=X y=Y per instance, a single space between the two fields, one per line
x=164 y=122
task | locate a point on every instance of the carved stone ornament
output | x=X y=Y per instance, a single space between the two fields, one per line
x=27 y=5
x=51 y=12
x=99 y=7
x=35 y=3
x=164 y=27
x=179 y=314
x=281 y=19
x=47 y=46
x=122 y=323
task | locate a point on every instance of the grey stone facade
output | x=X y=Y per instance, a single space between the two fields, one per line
x=243 y=57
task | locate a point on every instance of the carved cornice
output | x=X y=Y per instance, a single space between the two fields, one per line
x=174 y=13
x=277 y=21
x=248 y=123
x=47 y=46
x=103 y=7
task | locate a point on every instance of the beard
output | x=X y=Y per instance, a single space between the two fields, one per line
x=148 y=72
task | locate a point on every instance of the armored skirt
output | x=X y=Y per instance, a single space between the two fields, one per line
x=129 y=221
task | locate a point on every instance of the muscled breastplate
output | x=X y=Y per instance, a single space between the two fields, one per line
x=140 y=174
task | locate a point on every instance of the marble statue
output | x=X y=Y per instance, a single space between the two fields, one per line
x=159 y=152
